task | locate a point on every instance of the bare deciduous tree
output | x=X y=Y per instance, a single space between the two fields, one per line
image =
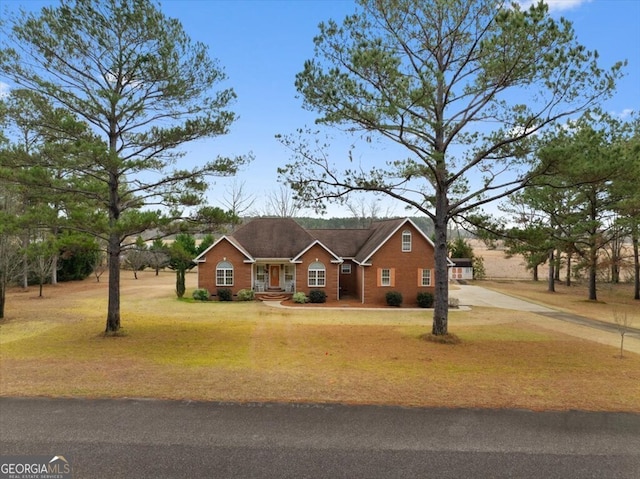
x=281 y=203
x=623 y=322
x=237 y=200
x=367 y=211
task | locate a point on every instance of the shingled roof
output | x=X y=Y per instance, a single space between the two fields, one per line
x=284 y=238
x=344 y=242
x=380 y=231
x=273 y=237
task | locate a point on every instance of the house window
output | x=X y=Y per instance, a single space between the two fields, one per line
x=288 y=273
x=425 y=277
x=345 y=268
x=261 y=273
x=224 y=274
x=406 y=241
x=317 y=274
x=385 y=277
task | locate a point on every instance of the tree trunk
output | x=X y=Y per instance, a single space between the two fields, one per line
x=3 y=291
x=441 y=303
x=25 y=260
x=557 y=266
x=593 y=260
x=180 y=282
x=568 y=277
x=535 y=273
x=113 y=308
x=114 y=247
x=616 y=255
x=593 y=245
x=54 y=270
x=551 y=286
x=25 y=272
x=615 y=270
x=636 y=264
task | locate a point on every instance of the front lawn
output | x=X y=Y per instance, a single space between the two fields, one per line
x=251 y=352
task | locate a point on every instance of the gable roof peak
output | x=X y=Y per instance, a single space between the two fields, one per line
x=273 y=237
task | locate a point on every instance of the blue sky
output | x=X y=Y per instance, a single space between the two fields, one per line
x=262 y=44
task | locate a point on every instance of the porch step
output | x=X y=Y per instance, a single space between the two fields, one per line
x=272 y=296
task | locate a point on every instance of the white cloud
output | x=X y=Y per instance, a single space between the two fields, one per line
x=626 y=113
x=4 y=89
x=520 y=130
x=556 y=5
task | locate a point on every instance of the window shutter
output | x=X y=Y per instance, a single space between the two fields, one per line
x=419 y=277
x=379 y=277
x=392 y=276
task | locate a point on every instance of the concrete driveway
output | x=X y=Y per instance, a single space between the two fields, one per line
x=477 y=296
x=552 y=319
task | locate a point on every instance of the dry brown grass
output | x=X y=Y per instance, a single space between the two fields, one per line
x=573 y=298
x=250 y=352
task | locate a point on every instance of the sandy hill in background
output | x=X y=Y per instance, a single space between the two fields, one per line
x=497 y=266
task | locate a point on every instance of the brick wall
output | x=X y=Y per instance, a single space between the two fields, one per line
x=241 y=270
x=404 y=267
x=332 y=270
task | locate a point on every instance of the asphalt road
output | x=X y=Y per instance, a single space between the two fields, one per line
x=168 y=439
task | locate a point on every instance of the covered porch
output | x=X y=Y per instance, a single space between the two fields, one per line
x=275 y=275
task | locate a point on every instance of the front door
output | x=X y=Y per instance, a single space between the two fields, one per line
x=274 y=276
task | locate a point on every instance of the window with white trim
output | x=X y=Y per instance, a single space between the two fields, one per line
x=385 y=277
x=316 y=274
x=345 y=268
x=288 y=272
x=261 y=273
x=224 y=274
x=406 y=241
x=426 y=277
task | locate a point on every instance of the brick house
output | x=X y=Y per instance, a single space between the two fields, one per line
x=277 y=254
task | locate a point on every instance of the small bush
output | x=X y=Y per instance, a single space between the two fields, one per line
x=225 y=294
x=299 y=297
x=454 y=302
x=478 y=268
x=425 y=299
x=317 y=296
x=246 y=295
x=201 y=294
x=394 y=298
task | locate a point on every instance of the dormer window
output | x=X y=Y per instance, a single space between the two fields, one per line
x=406 y=241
